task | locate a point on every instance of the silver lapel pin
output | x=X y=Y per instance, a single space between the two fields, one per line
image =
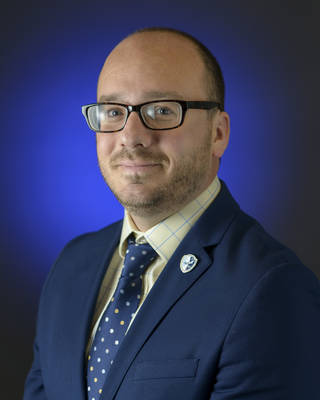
x=188 y=262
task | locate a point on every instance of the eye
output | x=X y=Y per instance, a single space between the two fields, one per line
x=114 y=113
x=163 y=110
x=111 y=113
x=161 y=114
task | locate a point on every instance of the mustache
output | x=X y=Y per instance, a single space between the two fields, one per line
x=139 y=153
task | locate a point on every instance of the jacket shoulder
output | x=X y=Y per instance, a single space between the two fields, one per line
x=95 y=238
x=84 y=250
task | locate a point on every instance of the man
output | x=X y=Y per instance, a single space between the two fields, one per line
x=187 y=297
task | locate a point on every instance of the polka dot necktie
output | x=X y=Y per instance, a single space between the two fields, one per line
x=116 y=318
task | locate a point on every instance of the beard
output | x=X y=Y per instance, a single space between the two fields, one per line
x=185 y=182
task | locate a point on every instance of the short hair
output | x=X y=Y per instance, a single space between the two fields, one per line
x=216 y=85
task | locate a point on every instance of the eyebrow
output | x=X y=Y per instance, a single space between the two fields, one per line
x=146 y=96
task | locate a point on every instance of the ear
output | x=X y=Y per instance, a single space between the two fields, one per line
x=221 y=132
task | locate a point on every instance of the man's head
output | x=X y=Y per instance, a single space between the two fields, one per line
x=154 y=173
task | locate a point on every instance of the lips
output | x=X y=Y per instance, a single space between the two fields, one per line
x=130 y=166
x=137 y=158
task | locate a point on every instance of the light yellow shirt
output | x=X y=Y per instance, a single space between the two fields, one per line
x=164 y=237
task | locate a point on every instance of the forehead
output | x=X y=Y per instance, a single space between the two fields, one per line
x=152 y=65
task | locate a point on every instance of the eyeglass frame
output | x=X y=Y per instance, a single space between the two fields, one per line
x=185 y=105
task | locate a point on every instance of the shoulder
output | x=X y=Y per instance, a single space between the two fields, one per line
x=248 y=259
x=88 y=249
x=255 y=243
x=242 y=250
x=92 y=241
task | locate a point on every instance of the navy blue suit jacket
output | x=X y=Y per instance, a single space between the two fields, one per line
x=243 y=324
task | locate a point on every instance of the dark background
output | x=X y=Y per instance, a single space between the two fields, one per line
x=51 y=54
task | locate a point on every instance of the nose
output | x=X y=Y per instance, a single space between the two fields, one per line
x=135 y=133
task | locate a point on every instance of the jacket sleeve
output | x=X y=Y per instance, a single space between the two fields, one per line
x=272 y=350
x=34 y=388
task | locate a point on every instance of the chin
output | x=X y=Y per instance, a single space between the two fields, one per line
x=135 y=201
x=141 y=204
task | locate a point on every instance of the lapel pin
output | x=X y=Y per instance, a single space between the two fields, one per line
x=188 y=262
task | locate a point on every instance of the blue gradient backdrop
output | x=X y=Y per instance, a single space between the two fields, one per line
x=51 y=186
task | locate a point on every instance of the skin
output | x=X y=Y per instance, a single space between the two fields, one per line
x=153 y=174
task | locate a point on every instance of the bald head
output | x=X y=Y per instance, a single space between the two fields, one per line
x=172 y=55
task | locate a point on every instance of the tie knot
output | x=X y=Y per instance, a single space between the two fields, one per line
x=138 y=258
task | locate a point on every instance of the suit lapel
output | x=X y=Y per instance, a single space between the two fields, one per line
x=172 y=284
x=84 y=294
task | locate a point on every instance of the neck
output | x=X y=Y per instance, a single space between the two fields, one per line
x=143 y=222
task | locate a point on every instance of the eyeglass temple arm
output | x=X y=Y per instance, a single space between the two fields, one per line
x=203 y=105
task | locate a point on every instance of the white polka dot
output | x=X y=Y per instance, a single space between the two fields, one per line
x=107 y=351
x=111 y=330
x=116 y=342
x=127 y=303
x=138 y=296
x=141 y=266
x=136 y=244
x=111 y=362
x=102 y=339
x=121 y=291
x=133 y=284
x=99 y=359
x=106 y=319
x=132 y=258
x=132 y=315
x=99 y=329
x=131 y=274
x=94 y=349
x=144 y=252
x=89 y=388
x=103 y=371
x=127 y=251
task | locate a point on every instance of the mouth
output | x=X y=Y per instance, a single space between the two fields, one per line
x=137 y=166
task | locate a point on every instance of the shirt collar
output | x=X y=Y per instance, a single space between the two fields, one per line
x=166 y=236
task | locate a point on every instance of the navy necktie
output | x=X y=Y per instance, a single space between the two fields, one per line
x=116 y=318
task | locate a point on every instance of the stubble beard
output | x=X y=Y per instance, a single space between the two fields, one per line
x=185 y=184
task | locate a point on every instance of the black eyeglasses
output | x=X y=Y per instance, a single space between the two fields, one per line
x=156 y=115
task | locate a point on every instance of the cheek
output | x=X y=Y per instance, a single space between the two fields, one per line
x=172 y=148
x=180 y=144
x=105 y=145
